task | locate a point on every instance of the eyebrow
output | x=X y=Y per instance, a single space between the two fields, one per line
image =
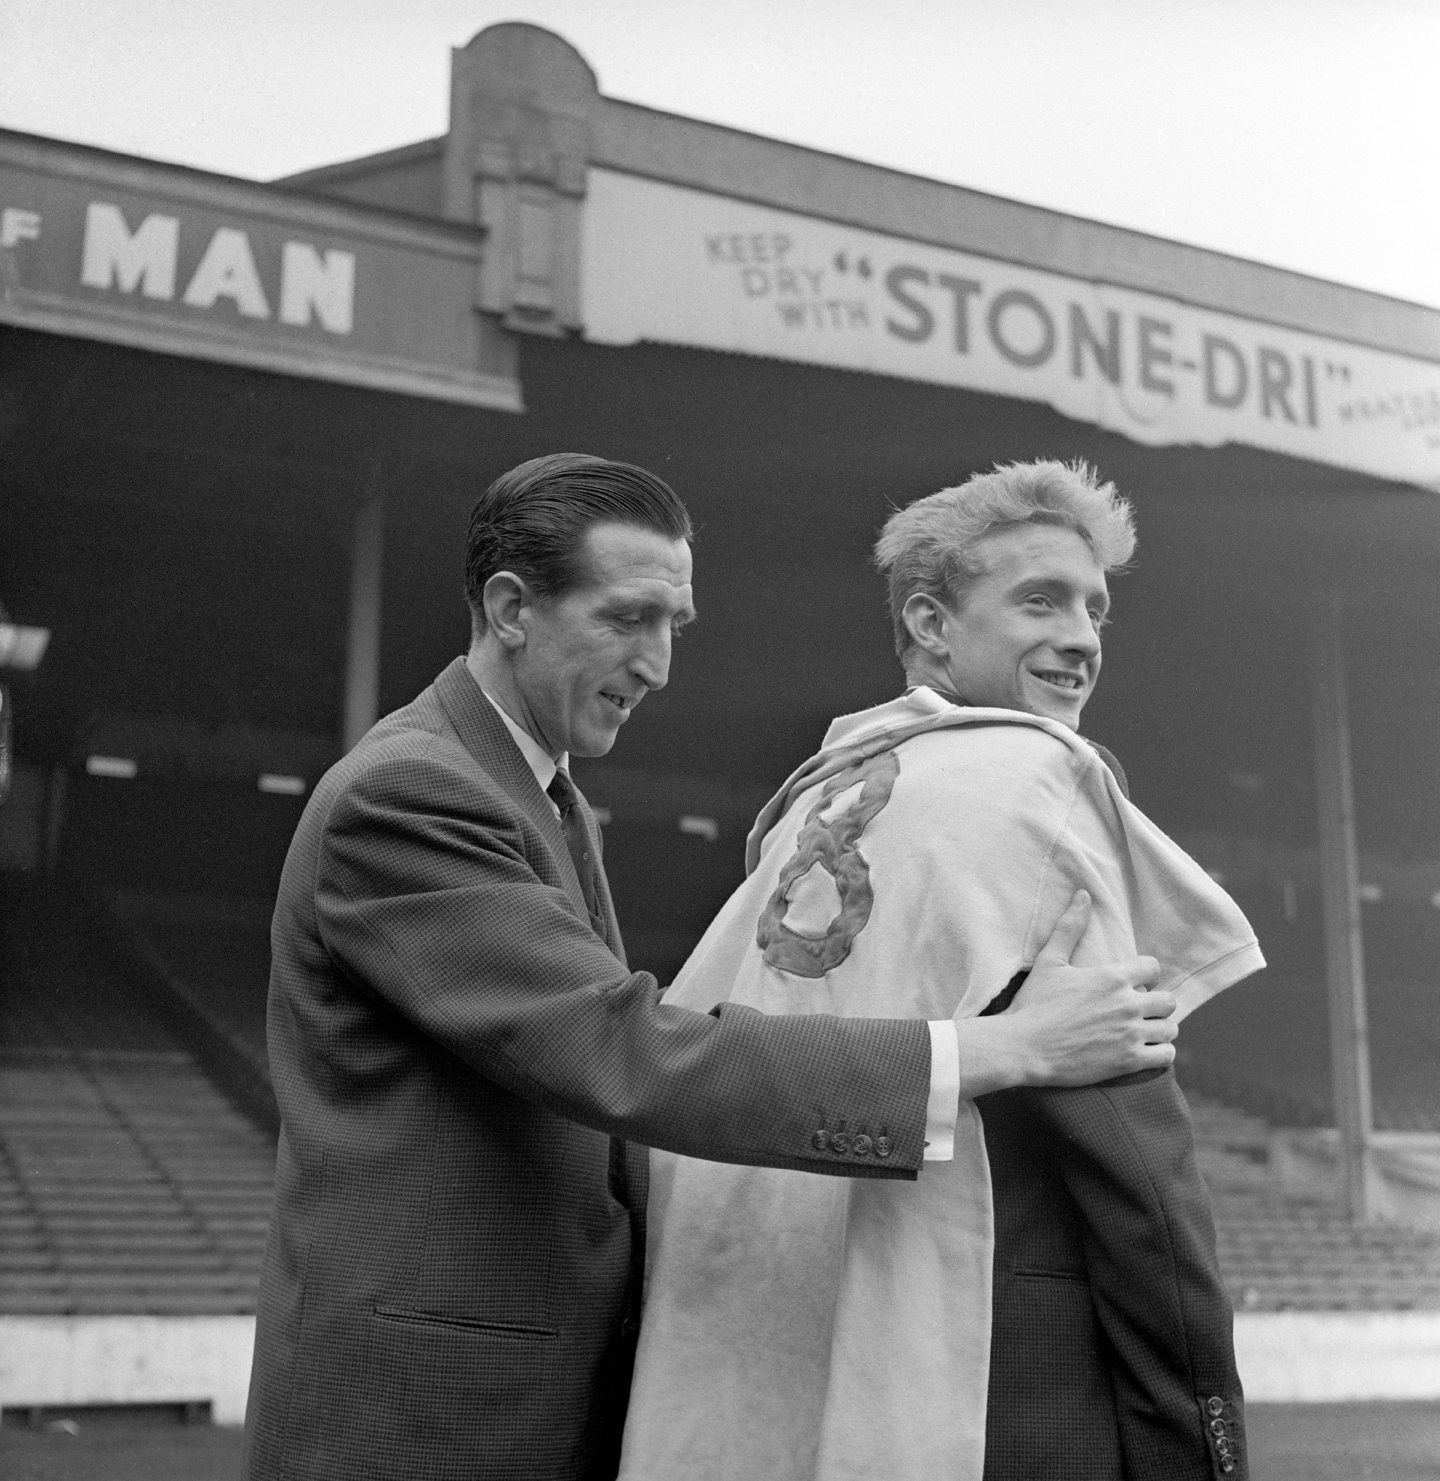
x=646 y=607
x=1061 y=587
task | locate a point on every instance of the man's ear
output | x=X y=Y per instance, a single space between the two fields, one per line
x=505 y=599
x=926 y=618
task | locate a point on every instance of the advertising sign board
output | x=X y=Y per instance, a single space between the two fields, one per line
x=172 y=260
x=670 y=264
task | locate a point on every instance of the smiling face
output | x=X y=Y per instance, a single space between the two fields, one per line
x=1026 y=635
x=589 y=656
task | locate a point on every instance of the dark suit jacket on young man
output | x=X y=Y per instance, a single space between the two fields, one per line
x=450 y=1285
x=1111 y=1353
x=1111 y=1356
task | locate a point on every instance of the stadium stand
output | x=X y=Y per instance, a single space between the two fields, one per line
x=135 y=1176
x=1287 y=1254
x=1265 y=1047
x=129 y=1183
x=213 y=956
x=129 y=1187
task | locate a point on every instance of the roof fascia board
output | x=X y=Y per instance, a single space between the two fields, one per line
x=365 y=164
x=271 y=202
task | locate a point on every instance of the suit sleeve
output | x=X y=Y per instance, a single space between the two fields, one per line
x=429 y=894
x=1126 y=1154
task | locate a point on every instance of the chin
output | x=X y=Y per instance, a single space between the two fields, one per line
x=594 y=745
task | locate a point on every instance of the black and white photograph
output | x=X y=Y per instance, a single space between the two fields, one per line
x=573 y=905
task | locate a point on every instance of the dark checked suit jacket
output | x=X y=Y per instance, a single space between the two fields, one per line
x=450 y=1286
x=1111 y=1357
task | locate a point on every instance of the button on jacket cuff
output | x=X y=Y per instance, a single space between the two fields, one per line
x=943 y=1108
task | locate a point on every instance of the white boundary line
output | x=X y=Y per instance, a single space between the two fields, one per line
x=1284 y=1357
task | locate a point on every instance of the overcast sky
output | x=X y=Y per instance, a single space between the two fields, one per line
x=1304 y=133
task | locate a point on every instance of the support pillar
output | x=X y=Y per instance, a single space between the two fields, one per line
x=55 y=787
x=517 y=159
x=362 y=638
x=1340 y=905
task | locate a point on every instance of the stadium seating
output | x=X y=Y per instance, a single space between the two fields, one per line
x=1283 y=1254
x=130 y=1183
x=129 y=1186
x=213 y=956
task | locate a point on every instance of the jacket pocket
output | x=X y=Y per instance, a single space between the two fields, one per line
x=514 y=1331
x=1048 y=1272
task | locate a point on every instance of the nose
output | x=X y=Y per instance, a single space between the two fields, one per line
x=651 y=661
x=1081 y=636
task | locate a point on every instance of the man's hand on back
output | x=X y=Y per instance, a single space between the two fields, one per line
x=1071 y=1025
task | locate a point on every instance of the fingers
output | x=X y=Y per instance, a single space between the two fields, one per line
x=1068 y=930
x=1157 y=1004
x=1155 y=1057
x=1158 y=1050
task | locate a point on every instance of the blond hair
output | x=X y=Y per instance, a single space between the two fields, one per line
x=931 y=546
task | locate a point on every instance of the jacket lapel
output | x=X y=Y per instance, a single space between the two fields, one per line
x=483 y=734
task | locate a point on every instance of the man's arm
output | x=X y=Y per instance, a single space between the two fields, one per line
x=1071 y=1025
x=427 y=893
x=1126 y=1154
x=429 y=897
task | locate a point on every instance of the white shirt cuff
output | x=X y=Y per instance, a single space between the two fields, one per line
x=943 y=1108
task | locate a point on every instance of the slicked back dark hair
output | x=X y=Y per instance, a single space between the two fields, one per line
x=533 y=521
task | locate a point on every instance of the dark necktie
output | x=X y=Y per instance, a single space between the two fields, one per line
x=562 y=793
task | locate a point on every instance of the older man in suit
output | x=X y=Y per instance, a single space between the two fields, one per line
x=464 y=1064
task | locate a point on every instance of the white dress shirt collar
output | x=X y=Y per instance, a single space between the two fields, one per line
x=536 y=756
